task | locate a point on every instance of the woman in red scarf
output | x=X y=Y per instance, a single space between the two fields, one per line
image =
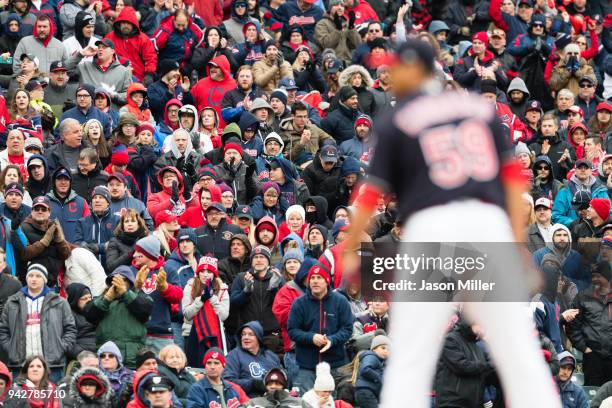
x=205 y=307
x=34 y=386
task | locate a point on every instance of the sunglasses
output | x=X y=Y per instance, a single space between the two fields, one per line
x=107 y=355
x=586 y=85
x=40 y=209
x=542 y=168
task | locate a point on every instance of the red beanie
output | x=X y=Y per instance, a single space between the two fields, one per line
x=145 y=126
x=234 y=146
x=601 y=207
x=317 y=270
x=481 y=36
x=120 y=157
x=208 y=263
x=216 y=354
x=266 y=226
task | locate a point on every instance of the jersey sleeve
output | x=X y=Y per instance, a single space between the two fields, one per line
x=384 y=170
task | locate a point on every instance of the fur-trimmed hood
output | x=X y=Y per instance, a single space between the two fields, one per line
x=350 y=70
x=95 y=374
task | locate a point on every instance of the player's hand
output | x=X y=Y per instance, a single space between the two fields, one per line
x=570 y=314
x=319 y=340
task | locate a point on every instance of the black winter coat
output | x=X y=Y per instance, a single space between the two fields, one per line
x=83 y=185
x=460 y=377
x=340 y=123
x=86 y=331
x=120 y=249
x=557 y=147
x=592 y=327
x=320 y=182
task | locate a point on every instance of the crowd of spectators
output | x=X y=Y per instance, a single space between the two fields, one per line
x=177 y=180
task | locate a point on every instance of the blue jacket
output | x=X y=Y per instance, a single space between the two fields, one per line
x=176 y=263
x=371 y=368
x=203 y=395
x=572 y=395
x=22 y=212
x=130 y=202
x=92 y=113
x=258 y=210
x=524 y=44
x=563 y=212
x=244 y=368
x=306 y=19
x=354 y=147
x=8 y=240
x=159 y=95
x=545 y=317
x=68 y=212
x=305 y=321
x=98 y=231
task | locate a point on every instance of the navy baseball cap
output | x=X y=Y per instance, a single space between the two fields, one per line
x=216 y=206
x=34 y=84
x=117 y=176
x=581 y=200
x=41 y=200
x=329 y=153
x=107 y=42
x=57 y=66
x=288 y=84
x=63 y=172
x=243 y=211
x=412 y=51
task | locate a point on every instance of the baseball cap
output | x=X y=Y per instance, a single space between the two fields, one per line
x=528 y=2
x=41 y=200
x=157 y=383
x=277 y=375
x=117 y=176
x=57 y=66
x=31 y=142
x=576 y=109
x=329 y=153
x=543 y=202
x=586 y=78
x=581 y=200
x=534 y=105
x=216 y=206
x=243 y=211
x=107 y=42
x=413 y=50
x=88 y=20
x=335 y=66
x=35 y=162
x=583 y=162
x=288 y=84
x=63 y=172
x=34 y=84
x=31 y=57
x=605 y=105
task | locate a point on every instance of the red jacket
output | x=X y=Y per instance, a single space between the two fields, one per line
x=210 y=11
x=157 y=202
x=282 y=305
x=517 y=129
x=210 y=93
x=137 y=47
x=363 y=12
x=193 y=216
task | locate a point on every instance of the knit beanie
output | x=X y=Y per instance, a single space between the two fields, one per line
x=488 y=86
x=279 y=94
x=144 y=355
x=572 y=47
x=601 y=207
x=165 y=66
x=215 y=354
x=103 y=192
x=293 y=253
x=603 y=268
x=268 y=185
x=187 y=234
x=521 y=148
x=324 y=380
x=208 y=263
x=145 y=126
x=295 y=209
x=110 y=347
x=379 y=341
x=261 y=250
x=120 y=156
x=322 y=272
x=233 y=146
x=41 y=269
x=345 y=93
x=149 y=246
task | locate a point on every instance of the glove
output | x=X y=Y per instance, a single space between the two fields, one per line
x=248 y=286
x=351 y=24
x=175 y=192
x=310 y=66
x=46 y=239
x=141 y=276
x=149 y=78
x=280 y=59
x=259 y=386
x=15 y=223
x=338 y=22
x=162 y=284
x=59 y=232
x=93 y=248
x=207 y=293
x=250 y=170
x=538 y=44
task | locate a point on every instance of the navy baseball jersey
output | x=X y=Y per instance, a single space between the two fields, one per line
x=432 y=149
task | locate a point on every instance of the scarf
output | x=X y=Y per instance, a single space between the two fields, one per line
x=207 y=325
x=130 y=238
x=50 y=400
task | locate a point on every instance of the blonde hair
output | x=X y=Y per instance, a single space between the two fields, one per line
x=166 y=351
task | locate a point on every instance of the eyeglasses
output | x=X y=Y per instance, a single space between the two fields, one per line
x=240 y=5
x=374 y=31
x=40 y=209
x=84 y=96
x=542 y=168
x=107 y=355
x=586 y=85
